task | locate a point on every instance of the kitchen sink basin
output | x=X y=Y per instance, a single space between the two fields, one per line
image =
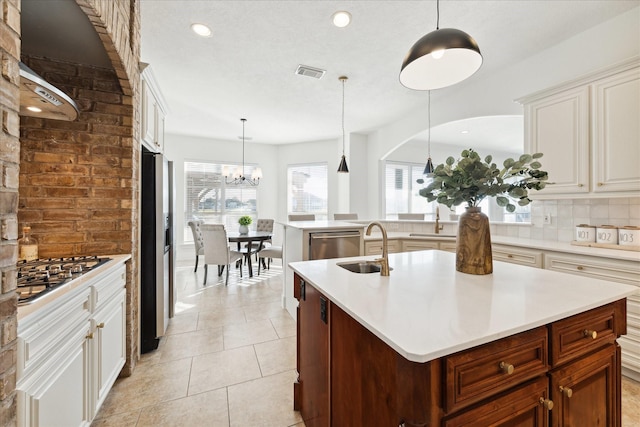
x=361 y=267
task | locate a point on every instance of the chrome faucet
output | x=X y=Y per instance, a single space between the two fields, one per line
x=384 y=261
x=438 y=226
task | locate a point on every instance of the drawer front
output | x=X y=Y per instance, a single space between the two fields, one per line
x=610 y=269
x=375 y=247
x=109 y=286
x=475 y=374
x=448 y=246
x=410 y=246
x=585 y=332
x=517 y=256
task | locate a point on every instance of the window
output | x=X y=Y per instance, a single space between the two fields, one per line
x=208 y=198
x=401 y=190
x=307 y=189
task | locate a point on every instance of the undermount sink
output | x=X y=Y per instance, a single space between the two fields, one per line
x=431 y=235
x=360 y=267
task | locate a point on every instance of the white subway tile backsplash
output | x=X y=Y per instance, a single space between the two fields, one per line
x=600 y=211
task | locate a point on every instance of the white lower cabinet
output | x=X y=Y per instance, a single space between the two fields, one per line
x=616 y=271
x=70 y=353
x=522 y=256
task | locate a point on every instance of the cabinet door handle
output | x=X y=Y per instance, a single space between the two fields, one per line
x=590 y=334
x=566 y=391
x=580 y=268
x=507 y=368
x=580 y=185
x=600 y=184
x=89 y=336
x=547 y=403
x=100 y=325
x=303 y=293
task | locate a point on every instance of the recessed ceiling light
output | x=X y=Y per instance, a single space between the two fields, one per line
x=464 y=131
x=201 y=30
x=341 y=18
x=34 y=109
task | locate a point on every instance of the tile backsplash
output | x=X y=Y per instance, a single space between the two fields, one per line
x=566 y=214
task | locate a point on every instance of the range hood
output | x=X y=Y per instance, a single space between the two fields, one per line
x=39 y=98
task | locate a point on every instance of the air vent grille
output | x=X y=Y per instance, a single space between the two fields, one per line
x=305 y=70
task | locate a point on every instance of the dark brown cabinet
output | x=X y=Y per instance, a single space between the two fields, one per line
x=566 y=373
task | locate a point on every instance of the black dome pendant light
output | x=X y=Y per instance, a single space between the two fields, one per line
x=441 y=58
x=343 y=162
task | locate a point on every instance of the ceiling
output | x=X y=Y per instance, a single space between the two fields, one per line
x=246 y=68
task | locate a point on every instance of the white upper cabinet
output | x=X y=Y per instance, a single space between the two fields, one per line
x=558 y=126
x=616 y=132
x=153 y=111
x=589 y=133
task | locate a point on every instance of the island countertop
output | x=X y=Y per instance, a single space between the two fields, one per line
x=426 y=309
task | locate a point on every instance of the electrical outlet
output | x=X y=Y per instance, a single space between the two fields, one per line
x=546 y=219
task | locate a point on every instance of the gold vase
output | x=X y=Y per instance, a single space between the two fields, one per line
x=473 y=247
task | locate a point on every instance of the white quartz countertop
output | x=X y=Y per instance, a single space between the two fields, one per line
x=426 y=309
x=323 y=225
x=116 y=260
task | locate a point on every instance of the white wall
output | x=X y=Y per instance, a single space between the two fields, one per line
x=485 y=95
x=181 y=148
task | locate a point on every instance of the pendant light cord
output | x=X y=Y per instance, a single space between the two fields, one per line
x=429 y=124
x=243 y=121
x=437 y=14
x=343 y=80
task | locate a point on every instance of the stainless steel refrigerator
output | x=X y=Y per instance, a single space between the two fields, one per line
x=157 y=248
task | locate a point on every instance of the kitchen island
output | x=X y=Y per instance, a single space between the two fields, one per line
x=431 y=346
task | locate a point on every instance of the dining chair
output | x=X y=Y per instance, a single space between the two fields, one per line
x=342 y=216
x=414 y=216
x=262 y=224
x=269 y=253
x=216 y=250
x=197 y=238
x=302 y=217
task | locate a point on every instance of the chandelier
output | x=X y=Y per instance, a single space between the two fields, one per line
x=239 y=177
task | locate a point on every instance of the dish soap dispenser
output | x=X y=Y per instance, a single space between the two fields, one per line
x=27 y=246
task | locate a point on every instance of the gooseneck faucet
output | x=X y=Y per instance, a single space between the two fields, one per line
x=438 y=226
x=384 y=261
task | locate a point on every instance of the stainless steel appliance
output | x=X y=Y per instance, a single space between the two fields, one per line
x=157 y=253
x=41 y=276
x=334 y=244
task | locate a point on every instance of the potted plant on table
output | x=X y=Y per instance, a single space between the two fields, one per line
x=469 y=180
x=244 y=222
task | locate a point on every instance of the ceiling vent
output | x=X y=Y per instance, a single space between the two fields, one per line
x=305 y=70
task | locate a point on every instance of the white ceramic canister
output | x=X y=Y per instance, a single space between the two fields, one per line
x=629 y=235
x=607 y=234
x=585 y=233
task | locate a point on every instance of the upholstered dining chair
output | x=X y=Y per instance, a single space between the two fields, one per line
x=216 y=250
x=343 y=216
x=269 y=253
x=414 y=216
x=262 y=224
x=302 y=217
x=197 y=238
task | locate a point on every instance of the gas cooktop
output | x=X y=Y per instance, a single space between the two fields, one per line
x=40 y=276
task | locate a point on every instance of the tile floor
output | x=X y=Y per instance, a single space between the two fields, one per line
x=229 y=360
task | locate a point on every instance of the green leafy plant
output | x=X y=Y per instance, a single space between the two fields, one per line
x=245 y=220
x=470 y=180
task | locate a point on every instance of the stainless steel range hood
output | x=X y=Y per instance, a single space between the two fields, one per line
x=39 y=98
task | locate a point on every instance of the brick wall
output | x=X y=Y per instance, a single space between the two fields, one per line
x=75 y=165
x=9 y=164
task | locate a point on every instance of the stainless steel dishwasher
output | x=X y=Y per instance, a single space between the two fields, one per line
x=334 y=244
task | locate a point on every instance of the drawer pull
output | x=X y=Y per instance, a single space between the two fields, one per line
x=100 y=325
x=509 y=256
x=547 y=403
x=566 y=391
x=507 y=368
x=580 y=267
x=580 y=185
x=89 y=336
x=590 y=334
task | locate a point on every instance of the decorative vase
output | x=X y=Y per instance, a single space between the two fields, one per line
x=473 y=247
x=244 y=229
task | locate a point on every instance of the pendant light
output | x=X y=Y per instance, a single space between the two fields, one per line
x=239 y=176
x=441 y=58
x=428 y=168
x=343 y=162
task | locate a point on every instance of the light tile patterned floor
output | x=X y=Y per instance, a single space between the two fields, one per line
x=229 y=360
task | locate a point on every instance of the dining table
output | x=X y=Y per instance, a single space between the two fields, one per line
x=249 y=238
